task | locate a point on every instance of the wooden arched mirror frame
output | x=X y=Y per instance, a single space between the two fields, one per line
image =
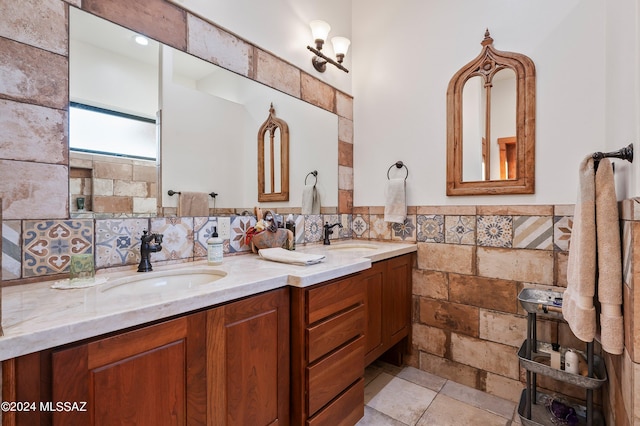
x=273 y=159
x=521 y=176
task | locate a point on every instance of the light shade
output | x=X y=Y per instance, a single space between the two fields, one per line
x=319 y=30
x=141 y=40
x=340 y=45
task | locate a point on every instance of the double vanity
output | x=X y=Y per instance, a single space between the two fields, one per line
x=247 y=342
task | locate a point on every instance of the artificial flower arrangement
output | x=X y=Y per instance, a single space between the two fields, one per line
x=266 y=233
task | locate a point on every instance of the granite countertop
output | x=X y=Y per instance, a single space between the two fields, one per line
x=36 y=317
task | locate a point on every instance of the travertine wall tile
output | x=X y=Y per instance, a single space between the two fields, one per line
x=429 y=339
x=503 y=328
x=496 y=294
x=32 y=75
x=459 y=373
x=157 y=19
x=38 y=23
x=345 y=177
x=344 y=105
x=449 y=316
x=114 y=171
x=345 y=154
x=105 y=204
x=318 y=93
x=563 y=209
x=534 y=266
x=345 y=201
x=129 y=189
x=145 y=173
x=218 y=46
x=24 y=129
x=431 y=284
x=34 y=190
x=520 y=210
x=278 y=74
x=504 y=387
x=561 y=260
x=102 y=187
x=447 y=257
x=144 y=205
x=448 y=210
x=485 y=355
x=345 y=130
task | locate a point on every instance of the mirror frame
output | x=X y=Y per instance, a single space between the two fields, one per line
x=269 y=128
x=485 y=65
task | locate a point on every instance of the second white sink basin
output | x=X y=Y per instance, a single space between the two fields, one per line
x=163 y=281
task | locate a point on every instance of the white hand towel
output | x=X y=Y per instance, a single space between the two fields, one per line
x=278 y=254
x=395 y=209
x=310 y=200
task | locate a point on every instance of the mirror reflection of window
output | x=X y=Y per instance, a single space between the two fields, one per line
x=100 y=131
x=503 y=116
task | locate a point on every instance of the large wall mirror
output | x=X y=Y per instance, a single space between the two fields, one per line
x=200 y=123
x=491 y=125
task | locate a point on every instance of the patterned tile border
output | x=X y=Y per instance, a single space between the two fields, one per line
x=495 y=231
x=49 y=244
x=11 y=250
x=533 y=232
x=177 y=241
x=360 y=226
x=562 y=232
x=404 y=231
x=430 y=228
x=313 y=228
x=118 y=241
x=380 y=230
x=239 y=227
x=460 y=230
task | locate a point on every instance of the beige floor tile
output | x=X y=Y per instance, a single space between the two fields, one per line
x=398 y=398
x=422 y=378
x=375 y=418
x=446 y=411
x=479 y=399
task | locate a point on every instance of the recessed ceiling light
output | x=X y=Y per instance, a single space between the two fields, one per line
x=141 y=40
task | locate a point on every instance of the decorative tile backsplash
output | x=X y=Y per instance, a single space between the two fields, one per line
x=49 y=244
x=38 y=248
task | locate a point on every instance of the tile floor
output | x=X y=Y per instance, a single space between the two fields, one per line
x=400 y=396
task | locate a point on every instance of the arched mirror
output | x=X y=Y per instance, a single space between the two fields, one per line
x=273 y=159
x=491 y=125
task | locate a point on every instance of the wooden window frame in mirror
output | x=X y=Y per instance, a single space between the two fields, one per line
x=269 y=127
x=485 y=65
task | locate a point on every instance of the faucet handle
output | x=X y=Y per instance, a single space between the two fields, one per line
x=159 y=238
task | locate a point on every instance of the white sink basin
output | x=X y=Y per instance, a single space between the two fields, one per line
x=353 y=247
x=163 y=281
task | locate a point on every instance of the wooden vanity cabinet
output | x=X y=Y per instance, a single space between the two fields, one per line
x=327 y=353
x=388 y=308
x=228 y=365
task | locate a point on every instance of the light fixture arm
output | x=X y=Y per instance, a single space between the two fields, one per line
x=320 y=65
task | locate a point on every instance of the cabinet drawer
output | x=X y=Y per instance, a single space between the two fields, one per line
x=329 y=299
x=333 y=374
x=330 y=334
x=345 y=410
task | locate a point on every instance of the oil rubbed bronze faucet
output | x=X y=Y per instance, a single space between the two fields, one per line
x=328 y=230
x=146 y=248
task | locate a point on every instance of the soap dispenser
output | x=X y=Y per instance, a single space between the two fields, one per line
x=214 y=248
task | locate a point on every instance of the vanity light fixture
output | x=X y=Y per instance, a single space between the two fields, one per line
x=320 y=31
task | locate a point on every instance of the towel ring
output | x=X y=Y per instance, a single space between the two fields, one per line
x=315 y=175
x=399 y=165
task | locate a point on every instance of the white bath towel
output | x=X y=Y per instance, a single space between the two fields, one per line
x=310 y=200
x=278 y=254
x=595 y=237
x=395 y=207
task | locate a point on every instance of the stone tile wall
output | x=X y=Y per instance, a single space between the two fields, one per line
x=34 y=79
x=113 y=185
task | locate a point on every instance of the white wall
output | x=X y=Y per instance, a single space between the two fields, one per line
x=282 y=28
x=585 y=53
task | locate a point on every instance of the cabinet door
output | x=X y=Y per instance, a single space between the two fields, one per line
x=373 y=279
x=150 y=376
x=248 y=361
x=396 y=308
